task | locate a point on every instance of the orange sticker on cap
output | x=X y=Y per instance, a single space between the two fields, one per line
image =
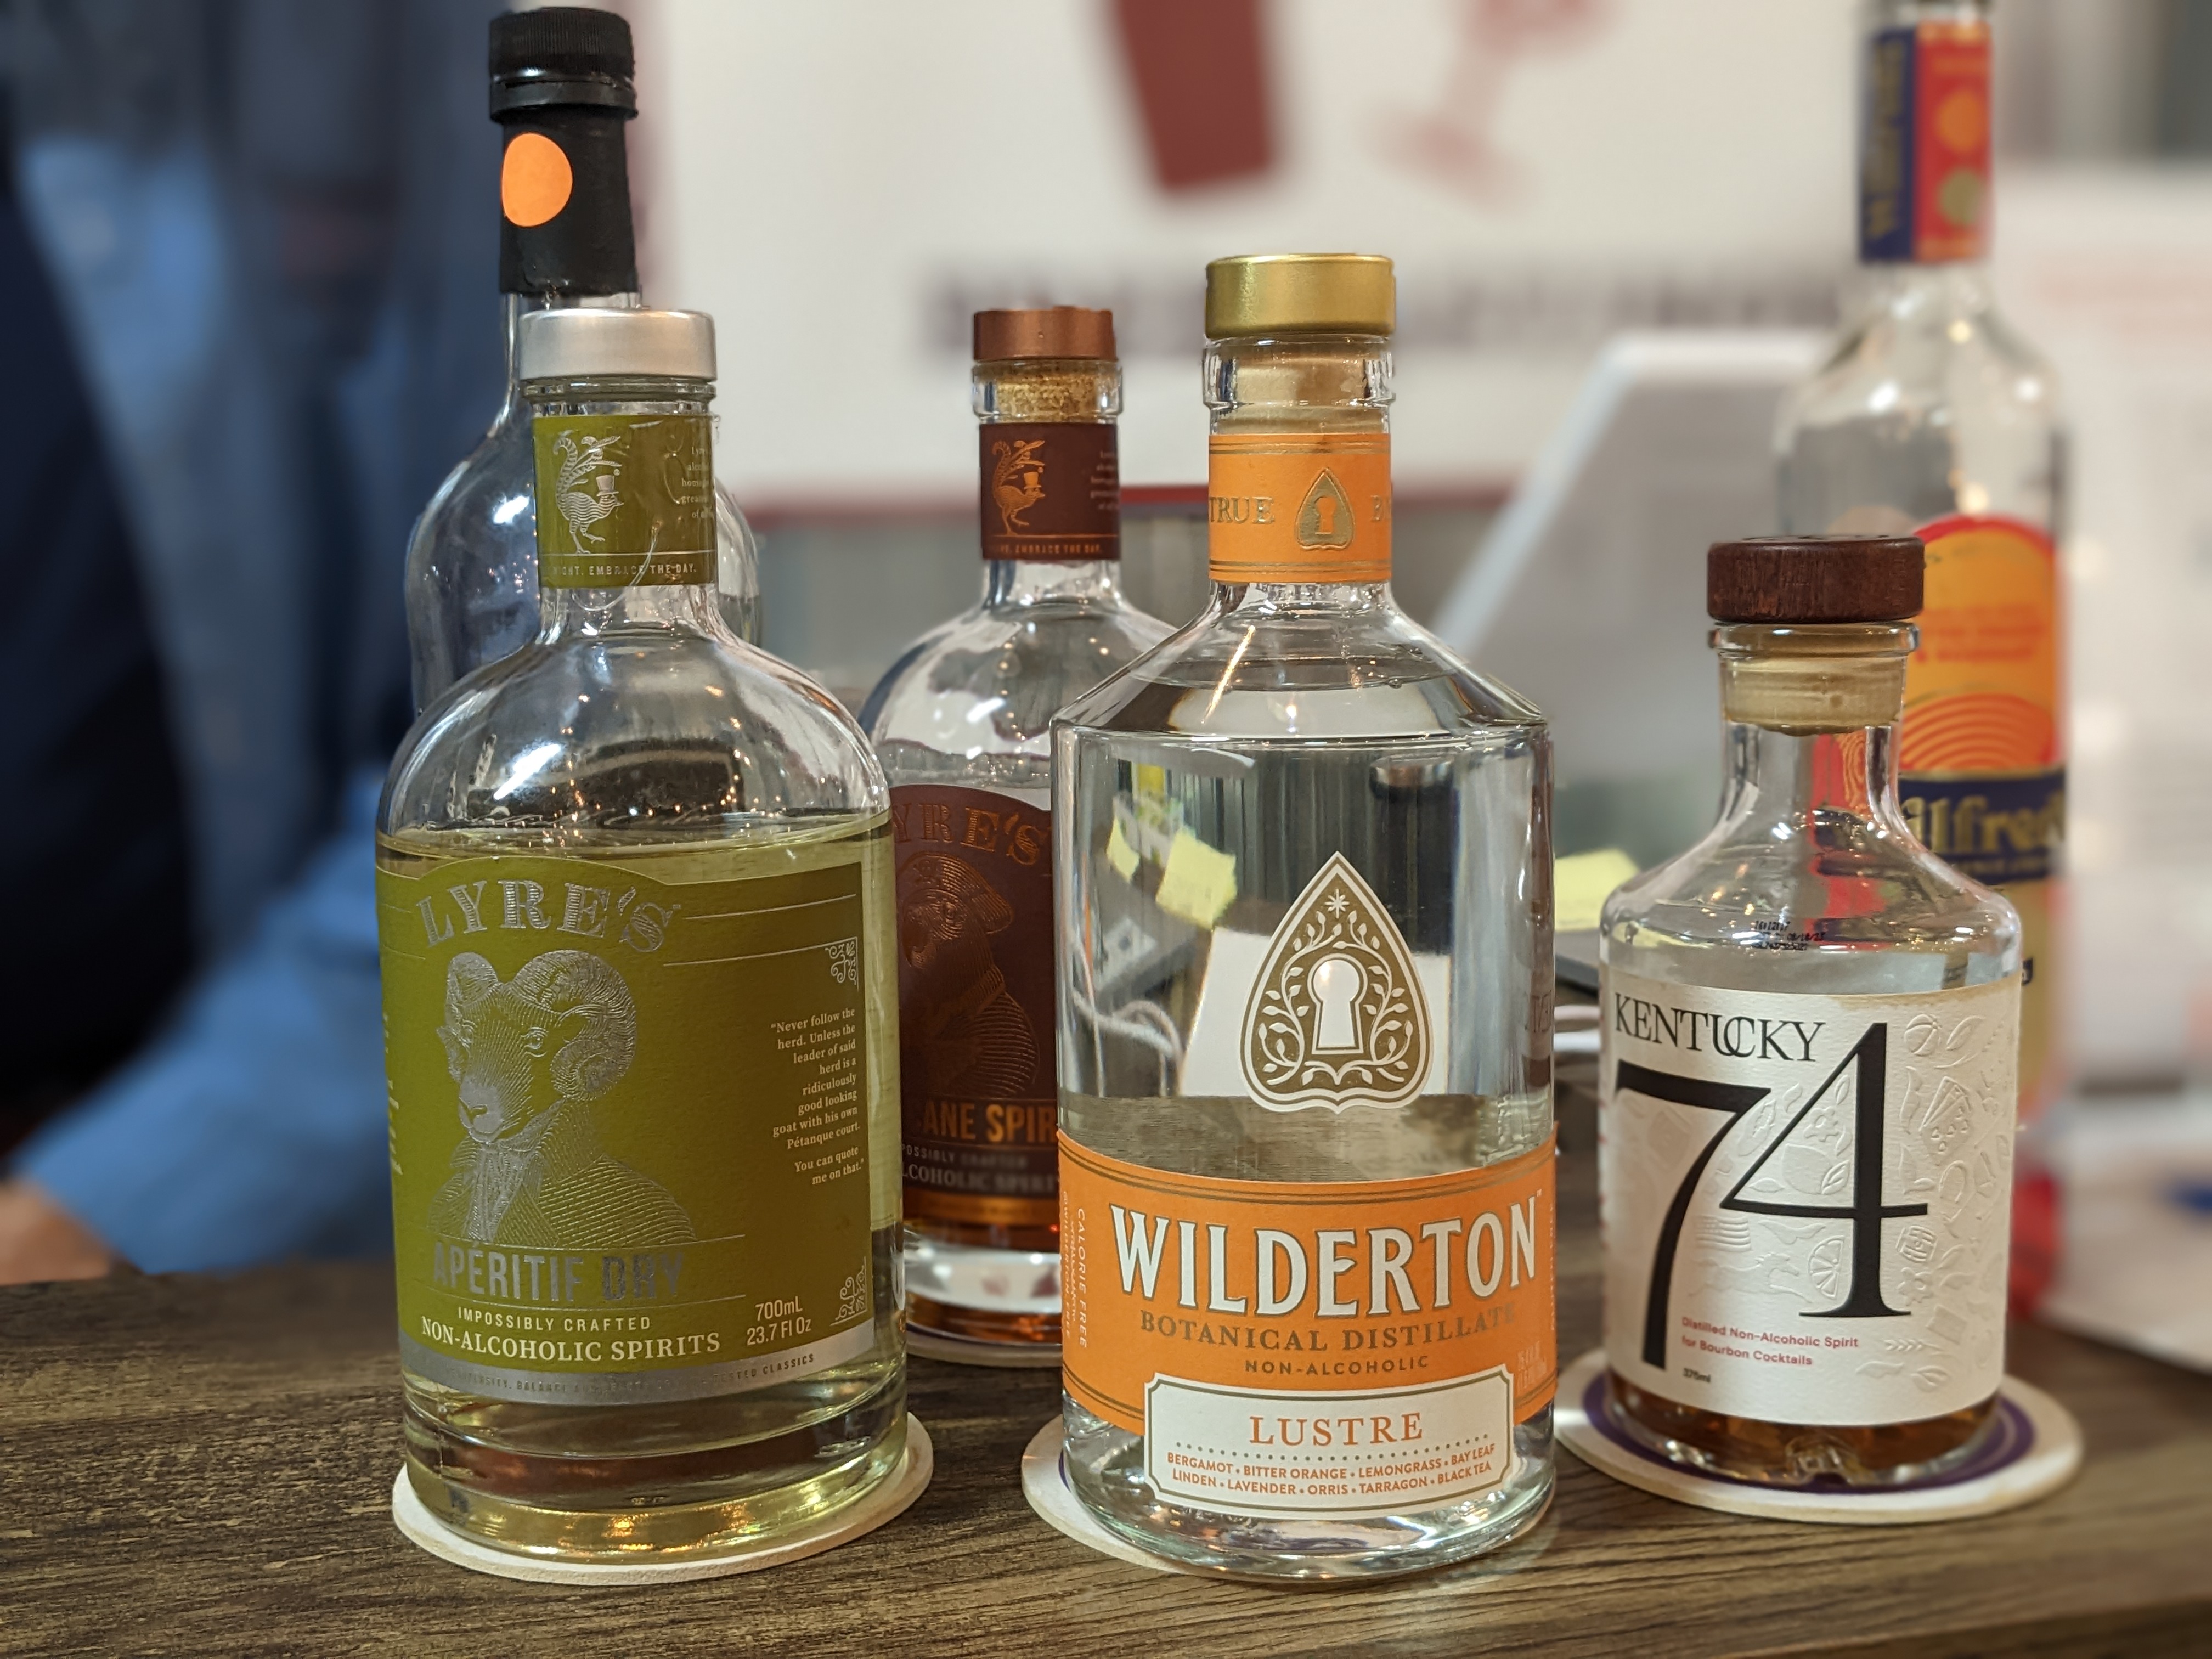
x=1299 y=506
x=1364 y=1292
x=535 y=179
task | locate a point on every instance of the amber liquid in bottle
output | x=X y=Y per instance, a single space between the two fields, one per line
x=1811 y=888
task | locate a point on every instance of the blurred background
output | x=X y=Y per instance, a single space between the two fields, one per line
x=262 y=233
x=842 y=184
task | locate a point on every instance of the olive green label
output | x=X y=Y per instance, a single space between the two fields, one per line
x=629 y=1126
x=624 y=501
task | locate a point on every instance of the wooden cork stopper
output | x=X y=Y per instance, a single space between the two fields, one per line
x=1047 y=332
x=1815 y=579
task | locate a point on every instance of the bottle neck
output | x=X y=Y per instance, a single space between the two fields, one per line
x=626 y=528
x=1298 y=495
x=1049 y=476
x=1924 y=133
x=1013 y=583
x=565 y=224
x=514 y=307
x=1811 y=714
x=568 y=614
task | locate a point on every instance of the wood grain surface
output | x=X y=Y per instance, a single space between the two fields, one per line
x=199 y=1466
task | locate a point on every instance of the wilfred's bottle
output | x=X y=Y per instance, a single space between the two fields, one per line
x=1810 y=1031
x=962 y=724
x=561 y=92
x=634 y=895
x=1933 y=416
x=1306 y=961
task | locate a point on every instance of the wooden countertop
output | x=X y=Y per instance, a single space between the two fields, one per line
x=198 y=1466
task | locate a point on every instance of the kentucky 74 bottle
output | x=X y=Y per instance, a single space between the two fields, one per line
x=1806 y=1082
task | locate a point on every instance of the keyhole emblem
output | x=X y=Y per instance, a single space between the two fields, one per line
x=1325 y=517
x=1337 y=983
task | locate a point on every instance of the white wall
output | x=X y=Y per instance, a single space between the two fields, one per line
x=841 y=181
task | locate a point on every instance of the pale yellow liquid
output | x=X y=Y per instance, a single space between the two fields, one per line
x=696 y=1477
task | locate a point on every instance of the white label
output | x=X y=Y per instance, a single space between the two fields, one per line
x=1806 y=1199
x=1266 y=1451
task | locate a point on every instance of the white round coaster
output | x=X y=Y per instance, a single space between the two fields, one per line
x=999 y=1356
x=2035 y=1449
x=1044 y=1483
x=885 y=1503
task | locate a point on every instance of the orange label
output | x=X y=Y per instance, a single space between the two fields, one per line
x=1315 y=1289
x=1981 y=754
x=1284 y=507
x=535 y=179
x=1981 y=692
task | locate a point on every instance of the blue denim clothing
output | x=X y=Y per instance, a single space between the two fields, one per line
x=254 y=1128
x=273 y=230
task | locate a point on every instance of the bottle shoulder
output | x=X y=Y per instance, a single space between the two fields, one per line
x=484 y=503
x=991 y=678
x=1299 y=673
x=1955 y=363
x=1751 y=896
x=643 y=729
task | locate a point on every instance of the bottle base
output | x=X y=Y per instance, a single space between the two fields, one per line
x=1322 y=1550
x=1797 y=1455
x=703 y=1530
x=997 y=1289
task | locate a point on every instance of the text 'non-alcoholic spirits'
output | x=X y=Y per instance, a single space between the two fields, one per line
x=962 y=722
x=1932 y=417
x=1810 y=1029
x=635 y=901
x=1305 y=979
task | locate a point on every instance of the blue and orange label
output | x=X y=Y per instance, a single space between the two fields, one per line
x=1924 y=160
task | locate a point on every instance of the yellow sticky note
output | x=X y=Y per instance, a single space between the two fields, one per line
x=1119 y=853
x=1198 y=883
x=1581 y=884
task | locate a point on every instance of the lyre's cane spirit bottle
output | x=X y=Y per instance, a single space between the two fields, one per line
x=962 y=723
x=1305 y=974
x=1810 y=1032
x=1933 y=416
x=561 y=92
x=635 y=900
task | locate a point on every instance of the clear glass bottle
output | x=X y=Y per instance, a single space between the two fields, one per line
x=1933 y=416
x=962 y=722
x=560 y=78
x=1810 y=1030
x=1305 y=1003
x=635 y=900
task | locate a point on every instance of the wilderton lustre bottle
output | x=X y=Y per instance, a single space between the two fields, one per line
x=1305 y=977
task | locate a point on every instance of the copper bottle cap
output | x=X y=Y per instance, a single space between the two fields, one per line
x=1259 y=294
x=1051 y=332
x=1815 y=579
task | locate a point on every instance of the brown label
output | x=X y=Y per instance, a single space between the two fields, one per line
x=1051 y=492
x=975 y=1007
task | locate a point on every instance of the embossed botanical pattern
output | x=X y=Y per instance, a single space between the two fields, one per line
x=1806 y=1199
x=1337 y=1014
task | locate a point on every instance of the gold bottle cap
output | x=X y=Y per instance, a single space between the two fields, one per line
x=1046 y=332
x=1300 y=293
